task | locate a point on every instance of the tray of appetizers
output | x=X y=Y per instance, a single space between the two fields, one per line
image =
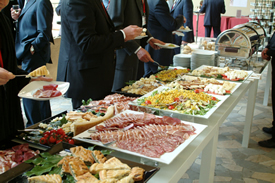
x=156 y=138
x=224 y=73
x=68 y=163
x=180 y=102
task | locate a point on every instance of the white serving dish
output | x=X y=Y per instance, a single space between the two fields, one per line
x=166 y=158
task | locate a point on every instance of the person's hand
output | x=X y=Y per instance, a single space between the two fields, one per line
x=15 y=15
x=153 y=41
x=42 y=78
x=264 y=55
x=184 y=19
x=131 y=32
x=5 y=76
x=144 y=56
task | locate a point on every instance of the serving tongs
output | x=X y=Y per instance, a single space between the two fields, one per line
x=29 y=130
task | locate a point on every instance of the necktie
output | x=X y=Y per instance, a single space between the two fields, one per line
x=104 y=8
x=174 y=4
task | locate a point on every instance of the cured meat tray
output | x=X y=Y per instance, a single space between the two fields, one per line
x=17 y=176
x=165 y=158
x=165 y=111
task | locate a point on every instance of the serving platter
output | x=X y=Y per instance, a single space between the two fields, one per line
x=185 y=30
x=248 y=73
x=161 y=88
x=17 y=175
x=32 y=87
x=166 y=158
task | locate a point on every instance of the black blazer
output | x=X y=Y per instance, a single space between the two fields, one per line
x=86 y=57
x=212 y=10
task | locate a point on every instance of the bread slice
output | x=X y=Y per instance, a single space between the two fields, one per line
x=80 y=127
x=96 y=168
x=53 y=178
x=41 y=71
x=83 y=154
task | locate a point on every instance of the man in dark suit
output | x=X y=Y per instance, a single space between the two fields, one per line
x=212 y=18
x=185 y=8
x=267 y=53
x=32 y=45
x=124 y=13
x=161 y=24
x=86 y=58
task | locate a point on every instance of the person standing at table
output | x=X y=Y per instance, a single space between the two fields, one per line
x=128 y=67
x=212 y=18
x=86 y=58
x=267 y=53
x=185 y=8
x=160 y=25
x=32 y=45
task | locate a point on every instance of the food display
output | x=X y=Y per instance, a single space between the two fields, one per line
x=182 y=101
x=48 y=91
x=41 y=71
x=142 y=86
x=187 y=50
x=170 y=74
x=208 y=45
x=119 y=101
x=83 y=165
x=10 y=158
x=221 y=73
x=211 y=86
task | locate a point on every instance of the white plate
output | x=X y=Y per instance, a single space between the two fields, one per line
x=140 y=37
x=32 y=87
x=178 y=33
x=166 y=158
x=159 y=89
x=184 y=30
x=167 y=45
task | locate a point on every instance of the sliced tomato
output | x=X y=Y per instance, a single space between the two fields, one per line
x=171 y=107
x=237 y=79
x=213 y=98
x=224 y=75
x=227 y=91
x=148 y=102
x=209 y=92
x=225 y=78
x=176 y=99
x=56 y=93
x=175 y=69
x=196 y=91
x=50 y=87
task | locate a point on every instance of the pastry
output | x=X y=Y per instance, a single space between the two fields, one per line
x=78 y=167
x=99 y=156
x=84 y=154
x=96 y=168
x=65 y=164
x=41 y=71
x=128 y=179
x=117 y=174
x=87 y=175
x=53 y=178
x=137 y=173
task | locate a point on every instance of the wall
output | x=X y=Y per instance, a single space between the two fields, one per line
x=231 y=10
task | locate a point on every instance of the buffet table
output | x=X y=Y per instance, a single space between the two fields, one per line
x=206 y=142
x=233 y=21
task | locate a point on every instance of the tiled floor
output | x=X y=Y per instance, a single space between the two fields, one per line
x=234 y=163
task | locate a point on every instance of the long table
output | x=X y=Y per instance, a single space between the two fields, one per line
x=206 y=142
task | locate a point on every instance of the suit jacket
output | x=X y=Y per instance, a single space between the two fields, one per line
x=58 y=8
x=11 y=118
x=86 y=58
x=34 y=28
x=185 y=8
x=161 y=24
x=212 y=10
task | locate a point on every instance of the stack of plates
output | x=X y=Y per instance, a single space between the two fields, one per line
x=182 y=60
x=202 y=57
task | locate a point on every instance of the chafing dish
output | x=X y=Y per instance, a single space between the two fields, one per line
x=241 y=41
